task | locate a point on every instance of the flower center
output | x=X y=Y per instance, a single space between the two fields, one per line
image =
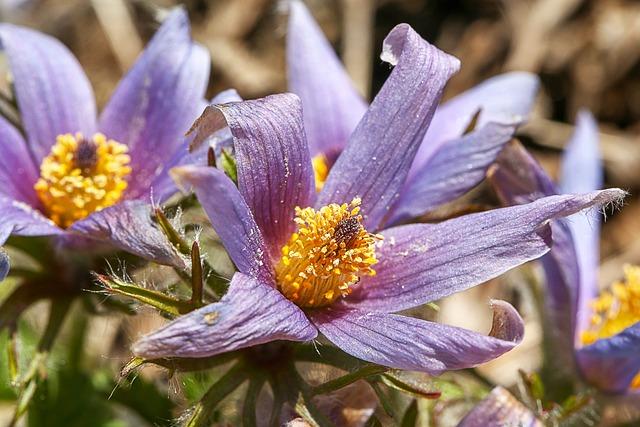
x=616 y=309
x=82 y=176
x=320 y=170
x=328 y=254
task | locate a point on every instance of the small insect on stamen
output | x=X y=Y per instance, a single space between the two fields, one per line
x=347 y=230
x=326 y=256
x=86 y=155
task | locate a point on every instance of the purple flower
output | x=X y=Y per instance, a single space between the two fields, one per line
x=598 y=335
x=76 y=174
x=500 y=408
x=448 y=162
x=312 y=263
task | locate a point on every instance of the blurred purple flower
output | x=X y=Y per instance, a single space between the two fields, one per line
x=448 y=162
x=77 y=175
x=306 y=269
x=500 y=408
x=597 y=336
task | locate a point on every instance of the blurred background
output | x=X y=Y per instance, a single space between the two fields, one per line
x=586 y=53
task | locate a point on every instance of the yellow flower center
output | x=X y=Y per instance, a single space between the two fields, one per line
x=327 y=254
x=320 y=170
x=82 y=176
x=616 y=309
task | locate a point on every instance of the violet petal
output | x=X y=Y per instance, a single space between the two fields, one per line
x=250 y=313
x=506 y=99
x=53 y=93
x=332 y=106
x=581 y=172
x=406 y=343
x=274 y=167
x=129 y=226
x=500 y=408
x=611 y=363
x=517 y=179
x=419 y=263
x=18 y=173
x=156 y=102
x=377 y=158
x=21 y=219
x=458 y=166
x=231 y=218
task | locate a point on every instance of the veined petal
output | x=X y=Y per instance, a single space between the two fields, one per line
x=612 y=363
x=53 y=93
x=274 y=166
x=419 y=263
x=406 y=343
x=505 y=99
x=376 y=161
x=500 y=408
x=517 y=178
x=18 y=173
x=21 y=219
x=332 y=106
x=163 y=186
x=157 y=100
x=129 y=226
x=582 y=171
x=458 y=166
x=231 y=218
x=250 y=313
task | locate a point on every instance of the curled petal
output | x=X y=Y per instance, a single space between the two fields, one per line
x=332 y=107
x=500 y=408
x=406 y=343
x=130 y=226
x=53 y=93
x=454 y=169
x=274 y=167
x=612 y=363
x=419 y=263
x=157 y=100
x=376 y=161
x=18 y=173
x=230 y=217
x=250 y=313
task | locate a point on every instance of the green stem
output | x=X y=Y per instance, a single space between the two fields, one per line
x=196 y=277
x=204 y=409
x=249 y=406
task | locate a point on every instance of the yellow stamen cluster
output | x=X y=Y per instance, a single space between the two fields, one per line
x=82 y=176
x=616 y=309
x=320 y=170
x=328 y=254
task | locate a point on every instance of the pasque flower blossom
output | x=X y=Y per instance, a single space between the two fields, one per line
x=464 y=138
x=75 y=174
x=323 y=262
x=598 y=332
